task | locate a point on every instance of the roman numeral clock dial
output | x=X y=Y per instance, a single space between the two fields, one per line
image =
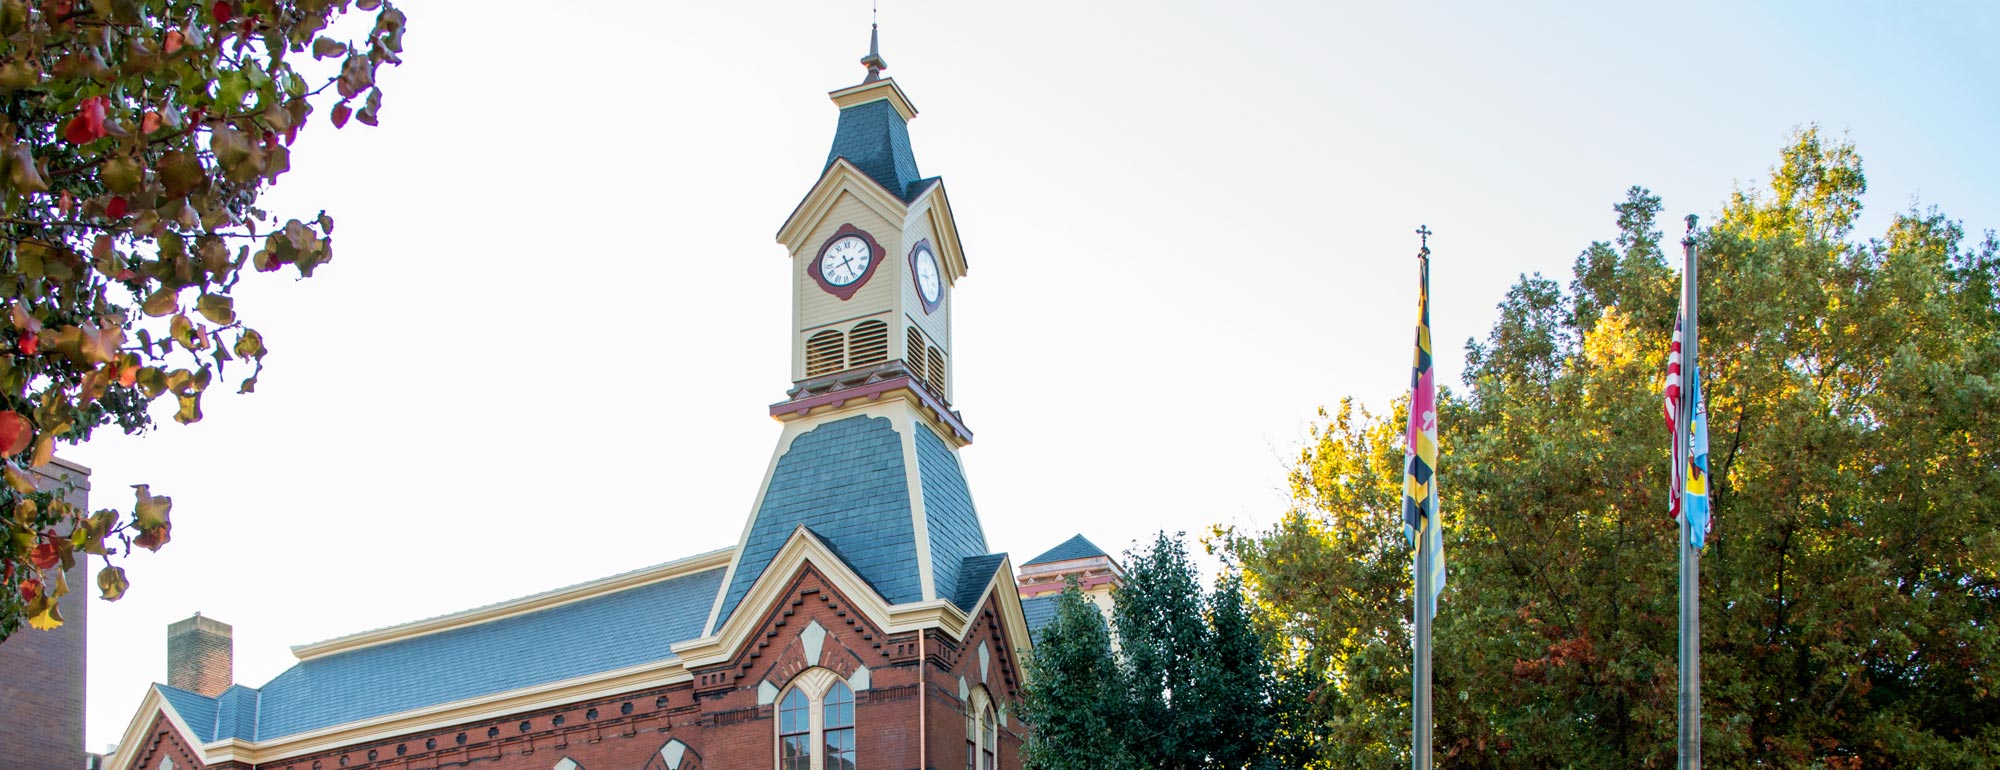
x=846 y=261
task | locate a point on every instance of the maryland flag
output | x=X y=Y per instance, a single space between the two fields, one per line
x=1420 y=497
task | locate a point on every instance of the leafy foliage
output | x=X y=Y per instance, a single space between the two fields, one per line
x=1851 y=589
x=1075 y=694
x=135 y=139
x=1189 y=687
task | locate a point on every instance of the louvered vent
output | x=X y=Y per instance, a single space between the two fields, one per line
x=936 y=374
x=913 y=352
x=868 y=343
x=824 y=353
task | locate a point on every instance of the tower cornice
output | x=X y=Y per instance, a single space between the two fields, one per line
x=884 y=89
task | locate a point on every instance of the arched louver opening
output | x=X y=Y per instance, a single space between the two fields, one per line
x=825 y=353
x=935 y=373
x=868 y=343
x=913 y=352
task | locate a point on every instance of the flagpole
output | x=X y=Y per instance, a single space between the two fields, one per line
x=1425 y=606
x=1690 y=561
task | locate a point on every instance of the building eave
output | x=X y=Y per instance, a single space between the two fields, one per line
x=842 y=176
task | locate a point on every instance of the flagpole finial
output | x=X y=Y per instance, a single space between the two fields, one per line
x=1689 y=239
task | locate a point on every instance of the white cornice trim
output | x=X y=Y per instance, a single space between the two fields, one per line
x=600 y=685
x=803 y=548
x=135 y=731
x=840 y=177
x=526 y=604
x=884 y=89
x=945 y=226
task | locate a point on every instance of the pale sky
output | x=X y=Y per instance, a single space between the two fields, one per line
x=556 y=315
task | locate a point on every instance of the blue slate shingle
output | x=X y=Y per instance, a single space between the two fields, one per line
x=973 y=576
x=1073 y=548
x=843 y=480
x=602 y=633
x=949 y=518
x=874 y=138
x=236 y=713
x=198 y=711
x=1039 y=611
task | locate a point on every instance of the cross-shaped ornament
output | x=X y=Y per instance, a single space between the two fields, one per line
x=1424 y=232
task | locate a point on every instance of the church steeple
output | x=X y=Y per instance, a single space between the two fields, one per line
x=868 y=462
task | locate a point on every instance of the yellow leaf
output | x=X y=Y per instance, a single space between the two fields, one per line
x=19 y=481
x=112 y=583
x=43 y=615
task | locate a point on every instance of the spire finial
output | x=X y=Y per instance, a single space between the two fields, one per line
x=873 y=61
x=1424 y=245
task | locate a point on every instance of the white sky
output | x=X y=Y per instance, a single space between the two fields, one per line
x=544 y=351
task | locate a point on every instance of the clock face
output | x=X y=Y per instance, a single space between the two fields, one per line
x=929 y=283
x=845 y=260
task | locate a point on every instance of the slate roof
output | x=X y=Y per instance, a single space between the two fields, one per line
x=1074 y=548
x=974 y=574
x=874 y=137
x=1040 y=611
x=601 y=633
x=844 y=480
x=949 y=518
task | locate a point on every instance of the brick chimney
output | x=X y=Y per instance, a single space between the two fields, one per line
x=200 y=655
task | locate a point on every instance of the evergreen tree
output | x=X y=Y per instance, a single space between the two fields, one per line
x=1075 y=698
x=1167 y=648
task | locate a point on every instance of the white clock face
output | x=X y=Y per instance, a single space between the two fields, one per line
x=928 y=280
x=845 y=261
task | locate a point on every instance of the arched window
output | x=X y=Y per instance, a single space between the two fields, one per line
x=825 y=352
x=868 y=344
x=816 y=723
x=982 y=733
x=795 y=731
x=837 y=722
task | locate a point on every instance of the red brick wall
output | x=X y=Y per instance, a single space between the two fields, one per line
x=41 y=672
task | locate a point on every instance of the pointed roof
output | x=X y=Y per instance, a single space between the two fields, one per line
x=874 y=135
x=1074 y=548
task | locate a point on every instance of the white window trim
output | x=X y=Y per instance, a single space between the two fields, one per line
x=814 y=682
x=982 y=719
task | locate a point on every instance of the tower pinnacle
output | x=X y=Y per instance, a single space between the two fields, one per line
x=873 y=61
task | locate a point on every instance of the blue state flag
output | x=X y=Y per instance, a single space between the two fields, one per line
x=1694 y=500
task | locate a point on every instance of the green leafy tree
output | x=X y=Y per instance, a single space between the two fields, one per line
x=1850 y=594
x=1075 y=698
x=1166 y=645
x=136 y=137
x=1190 y=685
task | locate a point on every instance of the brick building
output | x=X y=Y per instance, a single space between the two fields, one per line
x=861 y=621
x=41 y=672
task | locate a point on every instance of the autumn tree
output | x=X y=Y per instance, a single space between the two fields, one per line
x=136 y=137
x=1851 y=588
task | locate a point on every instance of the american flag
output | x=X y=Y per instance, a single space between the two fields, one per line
x=1673 y=408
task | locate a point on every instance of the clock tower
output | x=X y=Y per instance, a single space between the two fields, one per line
x=868 y=460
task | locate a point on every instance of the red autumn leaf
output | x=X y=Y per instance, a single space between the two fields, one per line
x=152 y=539
x=223 y=13
x=340 y=113
x=15 y=433
x=44 y=555
x=31 y=588
x=30 y=343
x=149 y=122
x=88 y=125
x=116 y=208
x=174 y=41
x=126 y=274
